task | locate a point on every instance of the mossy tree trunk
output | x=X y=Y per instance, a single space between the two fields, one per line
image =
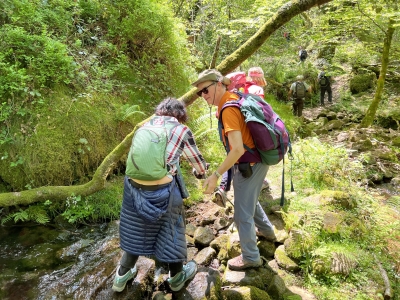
x=370 y=115
x=60 y=193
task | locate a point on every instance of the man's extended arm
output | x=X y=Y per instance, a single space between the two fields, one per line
x=237 y=150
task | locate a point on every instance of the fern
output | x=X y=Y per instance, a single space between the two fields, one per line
x=130 y=111
x=34 y=213
x=22 y=215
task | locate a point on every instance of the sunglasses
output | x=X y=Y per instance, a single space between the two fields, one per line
x=205 y=90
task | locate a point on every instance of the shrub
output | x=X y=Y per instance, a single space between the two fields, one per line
x=31 y=62
x=362 y=82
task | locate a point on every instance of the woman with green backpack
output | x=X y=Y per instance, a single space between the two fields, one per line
x=152 y=215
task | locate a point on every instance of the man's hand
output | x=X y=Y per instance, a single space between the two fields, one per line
x=210 y=184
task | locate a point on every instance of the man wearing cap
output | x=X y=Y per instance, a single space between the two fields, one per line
x=247 y=182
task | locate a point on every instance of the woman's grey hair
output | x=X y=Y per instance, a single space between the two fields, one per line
x=173 y=108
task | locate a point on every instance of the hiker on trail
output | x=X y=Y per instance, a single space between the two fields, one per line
x=152 y=213
x=254 y=84
x=302 y=54
x=248 y=176
x=298 y=90
x=325 y=85
x=286 y=35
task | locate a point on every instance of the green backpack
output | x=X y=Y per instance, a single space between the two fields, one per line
x=300 y=90
x=148 y=153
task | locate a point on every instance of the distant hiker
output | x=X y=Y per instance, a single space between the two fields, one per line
x=286 y=35
x=302 y=54
x=325 y=84
x=298 y=90
x=152 y=221
x=254 y=84
x=248 y=176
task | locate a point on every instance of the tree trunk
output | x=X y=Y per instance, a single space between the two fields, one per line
x=60 y=193
x=370 y=115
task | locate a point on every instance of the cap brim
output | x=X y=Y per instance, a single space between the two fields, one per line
x=211 y=77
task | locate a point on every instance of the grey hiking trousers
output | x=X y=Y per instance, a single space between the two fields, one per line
x=248 y=212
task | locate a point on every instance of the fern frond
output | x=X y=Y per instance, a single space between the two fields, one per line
x=7 y=218
x=22 y=215
x=130 y=111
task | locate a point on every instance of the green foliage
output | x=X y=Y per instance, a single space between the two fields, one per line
x=31 y=62
x=155 y=44
x=107 y=202
x=204 y=125
x=77 y=209
x=34 y=213
x=362 y=82
x=321 y=166
x=130 y=113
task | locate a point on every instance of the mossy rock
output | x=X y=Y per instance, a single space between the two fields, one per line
x=245 y=293
x=362 y=82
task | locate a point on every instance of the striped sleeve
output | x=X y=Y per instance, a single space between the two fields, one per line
x=182 y=143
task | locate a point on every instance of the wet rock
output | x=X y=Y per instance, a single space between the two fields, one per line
x=267 y=249
x=205 y=285
x=190 y=229
x=160 y=295
x=222 y=222
x=233 y=245
x=258 y=277
x=203 y=236
x=277 y=287
x=205 y=256
x=189 y=240
x=191 y=251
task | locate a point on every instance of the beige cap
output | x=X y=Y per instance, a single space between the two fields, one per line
x=211 y=75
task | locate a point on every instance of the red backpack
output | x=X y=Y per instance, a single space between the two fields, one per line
x=238 y=81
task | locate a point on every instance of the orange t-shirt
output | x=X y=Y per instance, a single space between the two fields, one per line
x=233 y=119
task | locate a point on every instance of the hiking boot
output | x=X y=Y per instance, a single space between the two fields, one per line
x=178 y=281
x=238 y=264
x=120 y=281
x=265 y=186
x=270 y=237
x=220 y=197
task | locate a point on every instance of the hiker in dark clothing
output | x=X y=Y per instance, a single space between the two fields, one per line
x=302 y=54
x=298 y=90
x=325 y=84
